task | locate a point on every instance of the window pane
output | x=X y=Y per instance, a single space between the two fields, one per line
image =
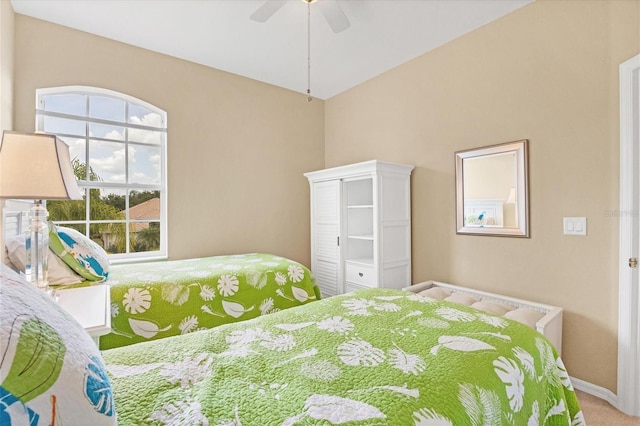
x=77 y=151
x=145 y=236
x=62 y=125
x=106 y=161
x=66 y=210
x=111 y=236
x=141 y=115
x=106 y=131
x=144 y=164
x=145 y=136
x=107 y=204
x=144 y=205
x=75 y=104
x=106 y=108
x=80 y=227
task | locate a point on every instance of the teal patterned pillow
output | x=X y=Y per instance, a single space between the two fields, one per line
x=84 y=256
x=51 y=371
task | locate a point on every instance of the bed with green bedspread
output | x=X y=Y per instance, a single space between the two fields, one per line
x=372 y=357
x=160 y=299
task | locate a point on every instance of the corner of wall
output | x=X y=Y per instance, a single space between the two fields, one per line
x=7 y=43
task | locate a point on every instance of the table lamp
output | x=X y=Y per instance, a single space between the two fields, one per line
x=36 y=166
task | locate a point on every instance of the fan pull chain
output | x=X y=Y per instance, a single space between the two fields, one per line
x=309 y=98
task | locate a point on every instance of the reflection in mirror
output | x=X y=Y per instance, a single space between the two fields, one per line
x=488 y=182
x=491 y=190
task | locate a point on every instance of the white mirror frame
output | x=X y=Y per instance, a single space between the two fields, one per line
x=520 y=148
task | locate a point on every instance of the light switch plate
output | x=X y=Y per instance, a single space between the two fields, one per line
x=575 y=225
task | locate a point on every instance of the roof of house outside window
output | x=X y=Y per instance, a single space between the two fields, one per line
x=149 y=209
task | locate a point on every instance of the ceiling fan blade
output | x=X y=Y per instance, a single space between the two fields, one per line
x=267 y=10
x=335 y=16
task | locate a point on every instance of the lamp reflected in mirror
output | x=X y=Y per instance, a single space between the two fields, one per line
x=511 y=199
x=491 y=190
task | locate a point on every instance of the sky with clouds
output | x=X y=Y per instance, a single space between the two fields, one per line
x=107 y=157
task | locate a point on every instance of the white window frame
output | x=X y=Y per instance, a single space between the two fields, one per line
x=84 y=184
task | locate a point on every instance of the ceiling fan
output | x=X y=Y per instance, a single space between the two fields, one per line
x=331 y=10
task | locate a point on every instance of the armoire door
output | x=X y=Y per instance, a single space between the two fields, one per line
x=326 y=235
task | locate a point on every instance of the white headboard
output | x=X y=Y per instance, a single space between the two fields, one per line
x=15 y=220
x=14 y=223
x=550 y=324
x=492 y=209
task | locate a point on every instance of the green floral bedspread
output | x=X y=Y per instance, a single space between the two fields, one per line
x=373 y=357
x=161 y=299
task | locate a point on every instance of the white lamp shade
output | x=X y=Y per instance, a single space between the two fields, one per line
x=36 y=166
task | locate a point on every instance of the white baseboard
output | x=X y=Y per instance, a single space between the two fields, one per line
x=595 y=390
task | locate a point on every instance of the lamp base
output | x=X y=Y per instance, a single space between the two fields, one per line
x=37 y=247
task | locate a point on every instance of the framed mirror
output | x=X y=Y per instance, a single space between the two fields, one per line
x=492 y=196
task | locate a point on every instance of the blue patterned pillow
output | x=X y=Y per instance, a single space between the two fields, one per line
x=51 y=370
x=82 y=255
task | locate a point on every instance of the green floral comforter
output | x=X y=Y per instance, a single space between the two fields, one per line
x=161 y=299
x=373 y=357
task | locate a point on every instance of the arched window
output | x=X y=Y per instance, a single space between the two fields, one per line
x=118 y=150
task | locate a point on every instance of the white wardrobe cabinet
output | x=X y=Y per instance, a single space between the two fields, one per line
x=361 y=226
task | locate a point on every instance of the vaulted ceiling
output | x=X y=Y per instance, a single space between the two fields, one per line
x=219 y=33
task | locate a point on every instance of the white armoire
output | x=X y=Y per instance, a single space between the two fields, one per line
x=361 y=226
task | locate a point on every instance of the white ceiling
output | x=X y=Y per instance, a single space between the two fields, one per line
x=219 y=34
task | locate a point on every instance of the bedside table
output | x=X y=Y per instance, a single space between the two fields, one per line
x=90 y=306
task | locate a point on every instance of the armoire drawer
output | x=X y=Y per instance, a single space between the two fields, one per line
x=349 y=287
x=363 y=275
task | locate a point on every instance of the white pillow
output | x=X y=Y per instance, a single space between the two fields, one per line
x=59 y=272
x=526 y=316
x=495 y=308
x=435 y=293
x=7 y=261
x=462 y=299
x=50 y=365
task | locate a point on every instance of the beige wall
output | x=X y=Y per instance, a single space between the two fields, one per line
x=548 y=73
x=237 y=148
x=7 y=20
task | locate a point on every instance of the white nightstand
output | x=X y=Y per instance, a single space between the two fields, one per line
x=90 y=306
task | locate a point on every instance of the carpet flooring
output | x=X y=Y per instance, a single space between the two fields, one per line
x=598 y=412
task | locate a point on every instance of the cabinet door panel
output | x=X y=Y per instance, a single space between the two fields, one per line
x=396 y=205
x=326 y=274
x=326 y=220
x=397 y=277
x=326 y=230
x=326 y=203
x=397 y=243
x=327 y=241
